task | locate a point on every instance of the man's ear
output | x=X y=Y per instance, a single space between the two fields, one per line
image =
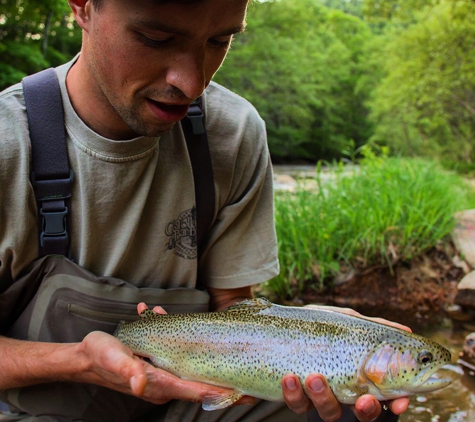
x=82 y=12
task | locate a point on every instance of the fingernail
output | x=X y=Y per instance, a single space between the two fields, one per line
x=159 y=310
x=290 y=383
x=135 y=385
x=317 y=385
x=369 y=408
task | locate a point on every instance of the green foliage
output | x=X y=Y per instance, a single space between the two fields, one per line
x=324 y=74
x=425 y=105
x=353 y=7
x=298 y=64
x=34 y=35
x=383 y=211
x=399 y=10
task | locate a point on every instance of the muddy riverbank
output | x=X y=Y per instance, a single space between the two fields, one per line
x=415 y=291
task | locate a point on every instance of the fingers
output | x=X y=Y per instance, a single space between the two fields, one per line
x=367 y=408
x=398 y=406
x=157 y=309
x=141 y=307
x=323 y=398
x=294 y=396
x=390 y=323
x=352 y=312
x=112 y=364
x=163 y=386
x=138 y=382
x=320 y=396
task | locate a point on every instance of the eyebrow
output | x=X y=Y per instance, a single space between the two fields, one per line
x=163 y=27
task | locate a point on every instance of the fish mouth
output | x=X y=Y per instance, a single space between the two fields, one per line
x=419 y=386
x=433 y=380
x=431 y=384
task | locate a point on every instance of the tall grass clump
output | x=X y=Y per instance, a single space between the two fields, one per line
x=383 y=211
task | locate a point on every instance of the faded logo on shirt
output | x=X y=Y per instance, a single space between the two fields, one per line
x=182 y=235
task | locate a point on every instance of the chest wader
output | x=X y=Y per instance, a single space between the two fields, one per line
x=56 y=300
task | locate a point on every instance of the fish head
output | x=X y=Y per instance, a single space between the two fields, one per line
x=405 y=364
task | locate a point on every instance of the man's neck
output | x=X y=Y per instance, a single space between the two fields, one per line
x=91 y=105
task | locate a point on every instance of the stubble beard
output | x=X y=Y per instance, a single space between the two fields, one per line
x=133 y=115
x=134 y=120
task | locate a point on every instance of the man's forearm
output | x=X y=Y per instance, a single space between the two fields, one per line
x=222 y=298
x=25 y=363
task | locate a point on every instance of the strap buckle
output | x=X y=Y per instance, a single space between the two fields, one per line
x=54 y=224
x=195 y=114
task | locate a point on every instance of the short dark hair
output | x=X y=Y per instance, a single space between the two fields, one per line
x=98 y=3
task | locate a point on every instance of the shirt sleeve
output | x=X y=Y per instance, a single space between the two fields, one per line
x=242 y=246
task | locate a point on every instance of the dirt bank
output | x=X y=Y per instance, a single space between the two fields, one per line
x=418 y=289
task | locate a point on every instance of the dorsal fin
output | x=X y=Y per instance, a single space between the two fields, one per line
x=256 y=304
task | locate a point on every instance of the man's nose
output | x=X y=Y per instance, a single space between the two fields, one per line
x=188 y=74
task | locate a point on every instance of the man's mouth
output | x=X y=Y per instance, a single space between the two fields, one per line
x=168 y=112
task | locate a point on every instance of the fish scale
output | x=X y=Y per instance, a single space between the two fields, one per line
x=252 y=345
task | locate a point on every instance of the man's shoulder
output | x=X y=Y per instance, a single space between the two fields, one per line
x=236 y=132
x=12 y=98
x=13 y=119
x=222 y=103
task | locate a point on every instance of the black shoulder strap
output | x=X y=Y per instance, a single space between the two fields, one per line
x=198 y=150
x=51 y=175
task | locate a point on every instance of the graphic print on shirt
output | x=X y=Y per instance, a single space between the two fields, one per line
x=182 y=235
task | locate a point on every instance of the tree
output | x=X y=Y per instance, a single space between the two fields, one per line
x=34 y=34
x=396 y=11
x=426 y=103
x=298 y=64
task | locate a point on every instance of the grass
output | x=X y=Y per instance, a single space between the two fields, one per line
x=385 y=210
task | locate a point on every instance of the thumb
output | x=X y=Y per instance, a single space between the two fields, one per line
x=137 y=383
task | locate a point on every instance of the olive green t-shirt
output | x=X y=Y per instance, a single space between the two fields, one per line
x=132 y=200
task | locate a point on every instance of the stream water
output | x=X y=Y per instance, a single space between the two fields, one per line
x=455 y=403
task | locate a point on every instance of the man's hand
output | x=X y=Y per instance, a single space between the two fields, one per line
x=366 y=409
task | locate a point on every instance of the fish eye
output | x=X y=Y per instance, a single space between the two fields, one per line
x=425 y=357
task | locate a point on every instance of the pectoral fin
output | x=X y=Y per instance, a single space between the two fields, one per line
x=220 y=401
x=349 y=394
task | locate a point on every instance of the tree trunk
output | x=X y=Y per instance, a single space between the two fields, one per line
x=46 y=33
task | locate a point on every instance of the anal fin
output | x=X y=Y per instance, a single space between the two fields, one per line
x=220 y=401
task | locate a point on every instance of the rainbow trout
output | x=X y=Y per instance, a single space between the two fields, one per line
x=250 y=346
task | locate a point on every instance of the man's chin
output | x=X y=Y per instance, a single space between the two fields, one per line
x=151 y=130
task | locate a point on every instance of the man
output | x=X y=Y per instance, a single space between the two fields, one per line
x=142 y=63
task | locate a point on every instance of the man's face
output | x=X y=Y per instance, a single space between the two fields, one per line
x=148 y=60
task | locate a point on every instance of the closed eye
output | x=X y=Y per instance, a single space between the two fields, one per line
x=215 y=42
x=154 y=43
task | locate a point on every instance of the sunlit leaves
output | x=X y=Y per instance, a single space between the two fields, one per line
x=298 y=64
x=426 y=103
x=34 y=34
